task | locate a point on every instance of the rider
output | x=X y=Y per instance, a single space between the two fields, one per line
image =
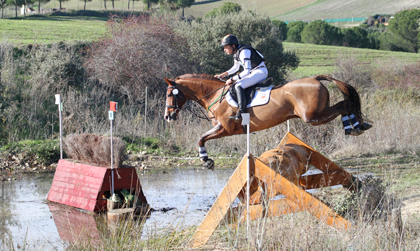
x=254 y=69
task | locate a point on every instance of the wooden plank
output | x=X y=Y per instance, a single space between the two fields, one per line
x=222 y=204
x=74 y=190
x=299 y=196
x=81 y=169
x=73 y=201
x=275 y=208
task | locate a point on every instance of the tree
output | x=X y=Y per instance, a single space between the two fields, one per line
x=224 y=9
x=282 y=27
x=405 y=26
x=355 y=37
x=2 y=6
x=17 y=4
x=294 y=30
x=61 y=1
x=149 y=3
x=84 y=6
x=42 y=2
x=184 y=4
x=176 y=4
x=320 y=32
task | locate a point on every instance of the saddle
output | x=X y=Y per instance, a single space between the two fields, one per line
x=250 y=91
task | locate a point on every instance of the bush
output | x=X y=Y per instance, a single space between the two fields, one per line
x=138 y=53
x=320 y=32
x=282 y=27
x=224 y=9
x=355 y=37
x=294 y=30
x=252 y=29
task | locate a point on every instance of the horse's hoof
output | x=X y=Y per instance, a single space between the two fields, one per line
x=356 y=132
x=209 y=164
x=353 y=132
x=365 y=126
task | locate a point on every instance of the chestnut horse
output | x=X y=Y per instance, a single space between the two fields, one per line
x=306 y=98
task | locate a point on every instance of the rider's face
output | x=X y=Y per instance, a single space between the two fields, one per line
x=228 y=49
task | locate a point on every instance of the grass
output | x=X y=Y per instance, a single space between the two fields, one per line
x=344 y=9
x=51 y=29
x=321 y=59
x=283 y=10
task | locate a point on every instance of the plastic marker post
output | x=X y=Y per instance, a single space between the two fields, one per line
x=246 y=121
x=113 y=106
x=60 y=109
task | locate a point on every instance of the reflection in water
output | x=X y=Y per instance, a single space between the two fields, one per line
x=27 y=220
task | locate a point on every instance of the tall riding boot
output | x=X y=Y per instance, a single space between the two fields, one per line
x=240 y=93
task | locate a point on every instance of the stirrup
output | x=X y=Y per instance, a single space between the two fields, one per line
x=237 y=117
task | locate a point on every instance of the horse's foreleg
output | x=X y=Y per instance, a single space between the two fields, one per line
x=217 y=132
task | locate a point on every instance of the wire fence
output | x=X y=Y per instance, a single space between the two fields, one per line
x=336 y=20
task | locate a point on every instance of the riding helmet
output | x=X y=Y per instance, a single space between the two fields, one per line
x=230 y=39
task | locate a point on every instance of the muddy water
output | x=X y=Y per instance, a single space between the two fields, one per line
x=180 y=198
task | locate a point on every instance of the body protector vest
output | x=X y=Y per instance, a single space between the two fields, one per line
x=256 y=57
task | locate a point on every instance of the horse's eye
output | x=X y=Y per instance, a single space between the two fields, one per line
x=175 y=91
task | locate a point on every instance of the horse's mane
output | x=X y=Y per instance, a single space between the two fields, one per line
x=197 y=76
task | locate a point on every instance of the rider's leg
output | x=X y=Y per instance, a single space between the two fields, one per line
x=255 y=77
x=240 y=93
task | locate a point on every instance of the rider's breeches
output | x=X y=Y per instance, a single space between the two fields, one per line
x=253 y=78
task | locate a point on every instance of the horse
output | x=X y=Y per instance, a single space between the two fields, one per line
x=305 y=98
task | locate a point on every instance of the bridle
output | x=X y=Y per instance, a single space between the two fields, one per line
x=178 y=93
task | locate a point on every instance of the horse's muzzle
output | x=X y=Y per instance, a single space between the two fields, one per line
x=171 y=116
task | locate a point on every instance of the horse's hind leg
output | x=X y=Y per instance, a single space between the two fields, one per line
x=350 y=124
x=217 y=132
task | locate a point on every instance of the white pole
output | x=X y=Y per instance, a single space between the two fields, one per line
x=288 y=127
x=245 y=121
x=113 y=107
x=112 y=162
x=60 y=109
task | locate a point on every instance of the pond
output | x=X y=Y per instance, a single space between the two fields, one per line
x=26 y=218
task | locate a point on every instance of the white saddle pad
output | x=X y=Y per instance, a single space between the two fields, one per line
x=261 y=97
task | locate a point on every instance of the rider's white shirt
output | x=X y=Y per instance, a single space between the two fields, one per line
x=245 y=53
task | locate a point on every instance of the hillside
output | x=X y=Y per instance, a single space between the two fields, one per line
x=283 y=10
x=346 y=8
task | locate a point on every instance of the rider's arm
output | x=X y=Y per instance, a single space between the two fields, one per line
x=235 y=67
x=245 y=57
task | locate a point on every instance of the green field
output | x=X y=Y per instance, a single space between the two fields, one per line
x=345 y=9
x=51 y=29
x=286 y=10
x=314 y=59
x=321 y=59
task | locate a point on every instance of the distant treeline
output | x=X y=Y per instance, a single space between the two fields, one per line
x=401 y=33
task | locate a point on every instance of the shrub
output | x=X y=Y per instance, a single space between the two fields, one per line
x=138 y=53
x=355 y=37
x=294 y=30
x=320 y=32
x=282 y=27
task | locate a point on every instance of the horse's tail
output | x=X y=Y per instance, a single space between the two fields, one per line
x=350 y=94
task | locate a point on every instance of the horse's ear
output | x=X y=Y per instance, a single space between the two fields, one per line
x=168 y=81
